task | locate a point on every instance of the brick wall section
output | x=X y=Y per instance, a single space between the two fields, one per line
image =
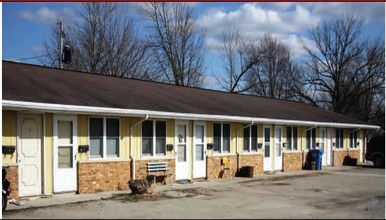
x=103 y=176
x=339 y=157
x=13 y=178
x=255 y=160
x=292 y=161
x=214 y=169
x=141 y=171
x=355 y=154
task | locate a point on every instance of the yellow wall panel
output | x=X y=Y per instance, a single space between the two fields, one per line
x=49 y=147
x=9 y=121
x=82 y=136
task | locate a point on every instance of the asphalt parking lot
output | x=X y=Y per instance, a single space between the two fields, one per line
x=334 y=192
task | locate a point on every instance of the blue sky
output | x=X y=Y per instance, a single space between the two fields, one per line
x=26 y=25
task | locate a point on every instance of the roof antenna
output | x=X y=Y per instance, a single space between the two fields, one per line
x=61 y=39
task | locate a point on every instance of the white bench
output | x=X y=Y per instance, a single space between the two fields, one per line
x=158 y=169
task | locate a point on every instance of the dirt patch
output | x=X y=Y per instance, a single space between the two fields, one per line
x=281 y=178
x=170 y=194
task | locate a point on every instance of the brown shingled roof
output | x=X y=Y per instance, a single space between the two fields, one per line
x=30 y=83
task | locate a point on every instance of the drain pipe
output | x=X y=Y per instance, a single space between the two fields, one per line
x=237 y=152
x=131 y=146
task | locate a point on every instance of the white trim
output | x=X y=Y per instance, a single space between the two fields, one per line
x=78 y=109
x=44 y=154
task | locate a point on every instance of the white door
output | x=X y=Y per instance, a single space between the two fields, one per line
x=278 y=161
x=322 y=145
x=199 y=156
x=65 y=136
x=182 y=150
x=267 y=149
x=30 y=159
x=328 y=151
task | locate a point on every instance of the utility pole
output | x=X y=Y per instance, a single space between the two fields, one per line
x=61 y=39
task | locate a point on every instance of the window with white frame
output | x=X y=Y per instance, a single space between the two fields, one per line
x=104 y=137
x=153 y=138
x=292 y=138
x=353 y=139
x=250 y=139
x=310 y=138
x=221 y=137
x=322 y=138
x=339 y=138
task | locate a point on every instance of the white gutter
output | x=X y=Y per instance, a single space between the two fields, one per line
x=76 y=109
x=131 y=145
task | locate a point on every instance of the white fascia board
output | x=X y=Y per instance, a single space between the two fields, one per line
x=77 y=109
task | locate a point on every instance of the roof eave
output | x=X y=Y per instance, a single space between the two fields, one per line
x=76 y=109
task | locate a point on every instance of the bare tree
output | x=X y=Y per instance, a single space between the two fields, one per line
x=176 y=41
x=346 y=71
x=239 y=55
x=271 y=77
x=103 y=41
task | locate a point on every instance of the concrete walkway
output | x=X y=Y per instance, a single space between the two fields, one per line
x=60 y=199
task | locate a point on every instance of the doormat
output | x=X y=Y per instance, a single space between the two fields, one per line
x=183 y=181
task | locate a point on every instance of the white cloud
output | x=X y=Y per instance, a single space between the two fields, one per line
x=42 y=15
x=46 y=15
x=288 y=21
x=254 y=20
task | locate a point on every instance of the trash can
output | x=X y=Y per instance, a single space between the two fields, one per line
x=319 y=158
x=249 y=171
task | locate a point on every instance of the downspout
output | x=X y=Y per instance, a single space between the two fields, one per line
x=131 y=146
x=237 y=152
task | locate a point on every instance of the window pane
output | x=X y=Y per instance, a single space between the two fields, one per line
x=160 y=129
x=226 y=144
x=295 y=138
x=96 y=137
x=65 y=157
x=216 y=144
x=313 y=131
x=308 y=139
x=112 y=127
x=267 y=150
x=112 y=139
x=181 y=132
x=96 y=127
x=199 y=152
x=199 y=134
x=147 y=146
x=289 y=138
x=112 y=147
x=147 y=138
x=246 y=139
x=181 y=153
x=254 y=138
x=216 y=137
x=147 y=129
x=96 y=147
x=65 y=132
x=160 y=146
x=267 y=135
x=226 y=137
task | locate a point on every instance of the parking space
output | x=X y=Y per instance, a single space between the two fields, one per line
x=346 y=192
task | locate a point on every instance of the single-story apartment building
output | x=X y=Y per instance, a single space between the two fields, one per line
x=69 y=131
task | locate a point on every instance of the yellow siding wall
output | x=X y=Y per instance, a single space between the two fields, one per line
x=209 y=136
x=170 y=137
x=49 y=146
x=82 y=136
x=9 y=134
